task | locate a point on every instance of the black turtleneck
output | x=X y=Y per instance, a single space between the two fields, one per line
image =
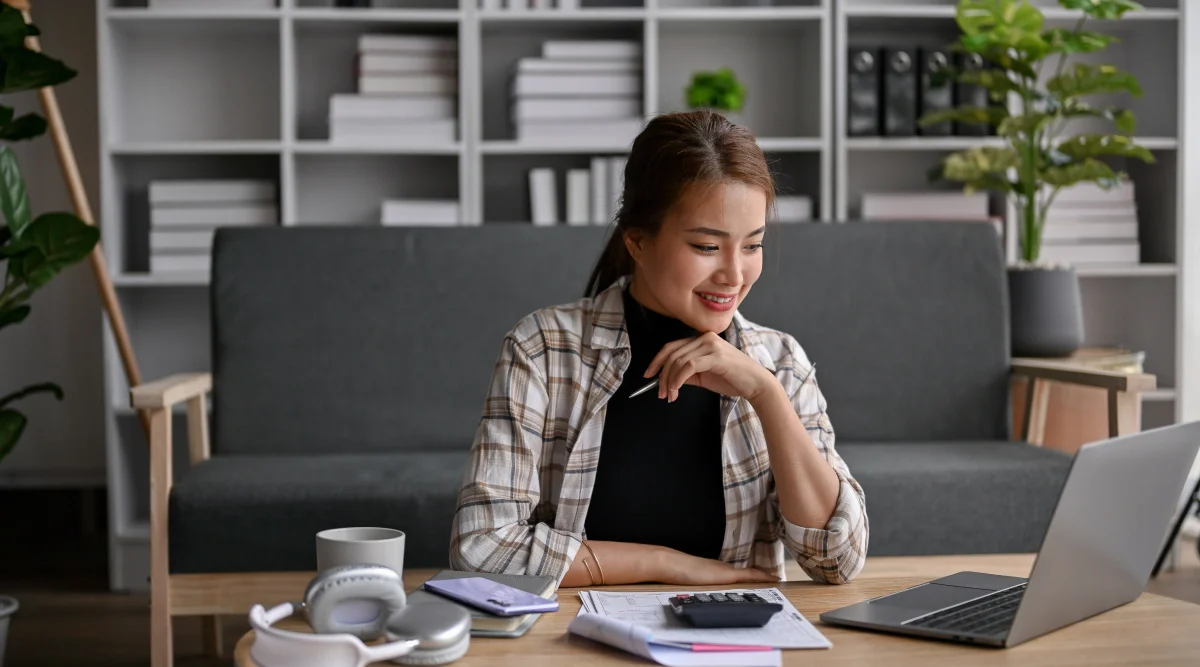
x=659 y=479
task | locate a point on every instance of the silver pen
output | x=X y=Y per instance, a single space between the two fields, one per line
x=654 y=382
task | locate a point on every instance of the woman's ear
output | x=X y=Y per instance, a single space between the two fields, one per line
x=634 y=240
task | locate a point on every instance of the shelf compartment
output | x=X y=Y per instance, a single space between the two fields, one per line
x=338 y=189
x=797 y=174
x=506 y=197
x=318 y=147
x=507 y=147
x=326 y=55
x=1134 y=314
x=196 y=147
x=742 y=13
x=168 y=83
x=376 y=16
x=782 y=83
x=504 y=43
x=129 y=205
x=781 y=8
x=533 y=17
x=378 y=8
x=879 y=171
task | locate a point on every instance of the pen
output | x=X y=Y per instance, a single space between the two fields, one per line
x=654 y=382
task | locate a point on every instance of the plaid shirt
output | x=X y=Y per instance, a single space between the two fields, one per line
x=531 y=468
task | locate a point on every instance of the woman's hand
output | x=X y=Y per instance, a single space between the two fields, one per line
x=707 y=361
x=679 y=568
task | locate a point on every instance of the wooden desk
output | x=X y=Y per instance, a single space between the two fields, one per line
x=1151 y=630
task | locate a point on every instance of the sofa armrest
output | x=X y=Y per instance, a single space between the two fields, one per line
x=170 y=390
x=1122 y=389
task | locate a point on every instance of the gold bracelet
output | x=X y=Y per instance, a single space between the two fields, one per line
x=597 y=561
x=587 y=567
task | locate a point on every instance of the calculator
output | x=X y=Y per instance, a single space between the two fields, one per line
x=724 y=610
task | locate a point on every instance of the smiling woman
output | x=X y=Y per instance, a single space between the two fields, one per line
x=573 y=476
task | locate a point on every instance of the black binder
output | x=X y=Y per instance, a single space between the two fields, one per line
x=972 y=95
x=899 y=92
x=862 y=109
x=935 y=98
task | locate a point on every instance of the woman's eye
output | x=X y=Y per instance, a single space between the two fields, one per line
x=755 y=248
x=705 y=248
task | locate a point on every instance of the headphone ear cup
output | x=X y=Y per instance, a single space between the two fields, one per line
x=354 y=600
x=437 y=656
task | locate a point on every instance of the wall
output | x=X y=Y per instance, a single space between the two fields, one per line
x=61 y=341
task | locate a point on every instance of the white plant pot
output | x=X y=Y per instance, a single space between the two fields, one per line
x=8 y=607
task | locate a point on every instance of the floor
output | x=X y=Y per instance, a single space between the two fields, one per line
x=67 y=616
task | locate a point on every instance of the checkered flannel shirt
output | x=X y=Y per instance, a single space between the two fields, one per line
x=532 y=465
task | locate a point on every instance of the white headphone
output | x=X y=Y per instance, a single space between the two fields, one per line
x=348 y=604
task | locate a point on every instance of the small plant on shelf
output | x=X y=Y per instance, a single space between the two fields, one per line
x=1035 y=161
x=716 y=90
x=33 y=250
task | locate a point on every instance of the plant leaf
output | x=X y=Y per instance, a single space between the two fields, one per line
x=1092 y=145
x=41 y=388
x=28 y=70
x=12 y=423
x=14 y=315
x=1088 y=169
x=1124 y=119
x=966 y=114
x=52 y=242
x=1102 y=9
x=13 y=29
x=994 y=80
x=26 y=127
x=977 y=164
x=1086 y=79
x=1027 y=124
x=14 y=202
x=1062 y=40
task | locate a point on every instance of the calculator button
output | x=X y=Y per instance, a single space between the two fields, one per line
x=704 y=597
x=719 y=597
x=734 y=597
x=753 y=597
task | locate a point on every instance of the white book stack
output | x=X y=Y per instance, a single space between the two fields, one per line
x=607 y=180
x=953 y=205
x=527 y=5
x=212 y=4
x=793 y=208
x=407 y=92
x=1087 y=224
x=579 y=90
x=420 y=212
x=184 y=215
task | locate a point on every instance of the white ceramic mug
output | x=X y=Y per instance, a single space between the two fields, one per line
x=355 y=546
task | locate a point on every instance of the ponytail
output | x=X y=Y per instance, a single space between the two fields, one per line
x=672 y=153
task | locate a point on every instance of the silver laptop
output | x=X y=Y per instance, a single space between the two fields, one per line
x=1106 y=532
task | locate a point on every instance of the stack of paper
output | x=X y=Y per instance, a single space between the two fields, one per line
x=925 y=206
x=184 y=215
x=1087 y=224
x=641 y=623
x=579 y=90
x=793 y=208
x=407 y=92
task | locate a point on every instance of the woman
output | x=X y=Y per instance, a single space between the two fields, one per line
x=709 y=480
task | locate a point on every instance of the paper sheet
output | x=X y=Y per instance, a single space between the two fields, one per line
x=637 y=640
x=651 y=611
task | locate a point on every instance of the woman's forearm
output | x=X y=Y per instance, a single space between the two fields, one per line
x=806 y=484
x=618 y=563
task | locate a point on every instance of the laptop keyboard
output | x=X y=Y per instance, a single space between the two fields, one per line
x=988 y=615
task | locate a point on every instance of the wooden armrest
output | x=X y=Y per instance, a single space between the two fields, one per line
x=170 y=390
x=1059 y=371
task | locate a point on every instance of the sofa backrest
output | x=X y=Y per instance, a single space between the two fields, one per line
x=381 y=339
x=906 y=322
x=341 y=340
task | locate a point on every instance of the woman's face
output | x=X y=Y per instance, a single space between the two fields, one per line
x=701 y=264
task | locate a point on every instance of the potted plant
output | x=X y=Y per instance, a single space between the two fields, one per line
x=718 y=90
x=32 y=249
x=1035 y=92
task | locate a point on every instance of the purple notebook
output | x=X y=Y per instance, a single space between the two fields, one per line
x=491 y=596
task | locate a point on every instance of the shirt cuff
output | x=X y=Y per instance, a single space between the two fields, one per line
x=840 y=534
x=553 y=552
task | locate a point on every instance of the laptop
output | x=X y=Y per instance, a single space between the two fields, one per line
x=1097 y=553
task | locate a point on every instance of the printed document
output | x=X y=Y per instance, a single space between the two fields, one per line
x=638 y=641
x=786 y=630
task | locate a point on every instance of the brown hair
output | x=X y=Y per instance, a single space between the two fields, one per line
x=674 y=152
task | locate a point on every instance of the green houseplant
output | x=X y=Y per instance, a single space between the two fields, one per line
x=32 y=249
x=719 y=90
x=1038 y=86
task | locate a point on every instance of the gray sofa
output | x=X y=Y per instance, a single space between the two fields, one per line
x=350 y=365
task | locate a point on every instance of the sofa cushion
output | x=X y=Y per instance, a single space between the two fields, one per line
x=262 y=513
x=956 y=497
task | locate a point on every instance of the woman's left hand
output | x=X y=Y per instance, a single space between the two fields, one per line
x=708 y=361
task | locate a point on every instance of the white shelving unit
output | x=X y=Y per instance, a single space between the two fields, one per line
x=245 y=94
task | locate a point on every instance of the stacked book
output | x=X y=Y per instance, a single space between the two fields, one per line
x=1087 y=224
x=593 y=194
x=793 y=208
x=527 y=5
x=420 y=212
x=212 y=4
x=953 y=205
x=579 y=90
x=407 y=92
x=184 y=215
